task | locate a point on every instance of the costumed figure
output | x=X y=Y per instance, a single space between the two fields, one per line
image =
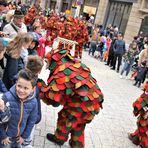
x=69 y=28
x=140 y=136
x=71 y=85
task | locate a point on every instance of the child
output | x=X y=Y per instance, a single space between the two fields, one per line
x=140 y=137
x=129 y=59
x=23 y=107
x=13 y=56
x=141 y=72
x=34 y=44
x=41 y=46
x=34 y=64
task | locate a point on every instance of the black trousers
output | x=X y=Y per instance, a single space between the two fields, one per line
x=119 y=58
x=110 y=60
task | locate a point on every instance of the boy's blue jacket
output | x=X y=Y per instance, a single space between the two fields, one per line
x=23 y=115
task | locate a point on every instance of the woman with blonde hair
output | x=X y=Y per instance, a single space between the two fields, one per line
x=13 y=52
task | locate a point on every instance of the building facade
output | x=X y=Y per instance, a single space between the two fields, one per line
x=131 y=16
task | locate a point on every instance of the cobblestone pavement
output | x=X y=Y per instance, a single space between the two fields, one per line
x=110 y=127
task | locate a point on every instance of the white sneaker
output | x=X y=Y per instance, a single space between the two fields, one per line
x=121 y=76
x=126 y=77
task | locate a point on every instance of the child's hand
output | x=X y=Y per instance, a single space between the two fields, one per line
x=20 y=140
x=6 y=141
x=2 y=105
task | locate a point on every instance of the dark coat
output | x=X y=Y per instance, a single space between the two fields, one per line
x=10 y=71
x=141 y=73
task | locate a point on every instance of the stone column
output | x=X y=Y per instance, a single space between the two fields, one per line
x=101 y=11
x=134 y=22
x=69 y=4
x=43 y=3
x=59 y=5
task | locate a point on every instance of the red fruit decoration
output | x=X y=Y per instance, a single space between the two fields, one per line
x=71 y=85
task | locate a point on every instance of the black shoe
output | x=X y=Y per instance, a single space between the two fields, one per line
x=52 y=138
x=107 y=64
x=117 y=71
x=70 y=143
x=112 y=68
x=135 y=84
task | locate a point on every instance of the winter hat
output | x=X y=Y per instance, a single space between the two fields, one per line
x=18 y=13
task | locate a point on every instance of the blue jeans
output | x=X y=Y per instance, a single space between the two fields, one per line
x=126 y=68
x=92 y=48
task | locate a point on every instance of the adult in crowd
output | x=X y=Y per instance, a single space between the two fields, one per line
x=119 y=51
x=3 y=7
x=93 y=41
x=16 y=25
x=143 y=56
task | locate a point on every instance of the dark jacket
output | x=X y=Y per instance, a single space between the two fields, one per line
x=10 y=71
x=23 y=115
x=141 y=73
x=119 y=47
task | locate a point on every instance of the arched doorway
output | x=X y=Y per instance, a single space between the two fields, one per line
x=144 y=26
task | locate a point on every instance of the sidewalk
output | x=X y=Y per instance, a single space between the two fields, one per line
x=110 y=127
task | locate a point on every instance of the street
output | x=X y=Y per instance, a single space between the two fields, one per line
x=110 y=127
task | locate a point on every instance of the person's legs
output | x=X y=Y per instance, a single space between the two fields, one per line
x=93 y=48
x=28 y=141
x=124 y=67
x=134 y=137
x=139 y=83
x=63 y=129
x=119 y=62
x=114 y=62
x=77 y=136
x=128 y=69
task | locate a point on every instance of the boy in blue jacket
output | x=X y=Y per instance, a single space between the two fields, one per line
x=34 y=64
x=23 y=107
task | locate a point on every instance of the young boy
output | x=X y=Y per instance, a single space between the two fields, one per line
x=23 y=107
x=34 y=64
x=140 y=136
